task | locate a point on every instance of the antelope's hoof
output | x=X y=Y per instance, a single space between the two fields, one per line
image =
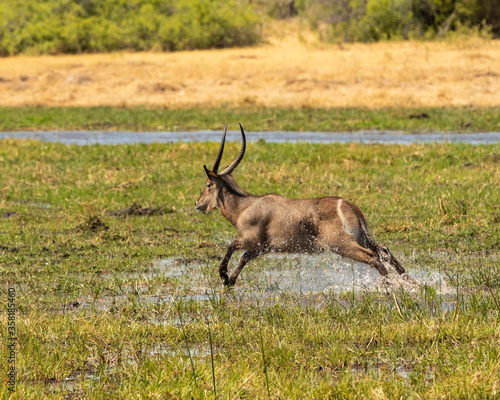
x=408 y=278
x=385 y=282
x=225 y=280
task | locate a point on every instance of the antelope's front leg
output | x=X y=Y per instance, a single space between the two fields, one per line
x=245 y=258
x=225 y=261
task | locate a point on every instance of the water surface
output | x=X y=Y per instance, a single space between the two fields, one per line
x=377 y=137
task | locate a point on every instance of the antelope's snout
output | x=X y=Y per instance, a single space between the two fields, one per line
x=199 y=207
x=203 y=204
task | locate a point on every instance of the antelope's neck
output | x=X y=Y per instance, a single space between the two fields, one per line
x=231 y=206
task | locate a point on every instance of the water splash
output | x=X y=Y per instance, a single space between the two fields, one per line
x=306 y=274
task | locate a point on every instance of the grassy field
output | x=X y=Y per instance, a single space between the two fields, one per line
x=115 y=273
x=118 y=294
x=292 y=70
x=410 y=120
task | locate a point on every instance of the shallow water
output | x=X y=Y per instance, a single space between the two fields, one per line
x=127 y=137
x=307 y=279
x=313 y=281
x=266 y=278
x=306 y=274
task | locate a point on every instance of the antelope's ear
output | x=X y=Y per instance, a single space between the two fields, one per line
x=211 y=175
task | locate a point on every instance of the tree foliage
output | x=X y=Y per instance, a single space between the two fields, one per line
x=86 y=26
x=83 y=26
x=372 y=20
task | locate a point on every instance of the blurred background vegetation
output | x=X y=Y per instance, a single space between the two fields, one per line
x=374 y=20
x=85 y=26
x=90 y=26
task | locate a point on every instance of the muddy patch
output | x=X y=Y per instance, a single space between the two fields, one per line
x=8 y=249
x=137 y=209
x=92 y=224
x=9 y=214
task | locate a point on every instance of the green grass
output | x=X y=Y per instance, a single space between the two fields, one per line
x=337 y=119
x=98 y=318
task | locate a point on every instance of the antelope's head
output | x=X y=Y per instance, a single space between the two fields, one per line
x=216 y=183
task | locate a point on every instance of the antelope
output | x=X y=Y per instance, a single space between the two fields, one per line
x=273 y=223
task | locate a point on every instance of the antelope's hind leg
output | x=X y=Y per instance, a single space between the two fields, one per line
x=358 y=253
x=386 y=255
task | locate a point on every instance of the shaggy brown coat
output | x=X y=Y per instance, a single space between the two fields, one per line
x=273 y=223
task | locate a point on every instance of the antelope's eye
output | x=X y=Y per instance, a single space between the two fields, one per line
x=209 y=185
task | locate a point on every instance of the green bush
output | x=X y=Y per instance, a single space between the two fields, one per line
x=82 y=26
x=372 y=20
x=387 y=19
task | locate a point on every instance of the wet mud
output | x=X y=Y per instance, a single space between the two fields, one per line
x=137 y=209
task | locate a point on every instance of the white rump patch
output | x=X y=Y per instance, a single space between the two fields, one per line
x=346 y=227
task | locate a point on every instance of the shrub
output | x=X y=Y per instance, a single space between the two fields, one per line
x=372 y=20
x=76 y=26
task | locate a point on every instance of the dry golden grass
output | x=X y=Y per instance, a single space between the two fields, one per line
x=287 y=71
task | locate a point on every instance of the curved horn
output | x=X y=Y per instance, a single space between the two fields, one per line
x=221 y=150
x=237 y=160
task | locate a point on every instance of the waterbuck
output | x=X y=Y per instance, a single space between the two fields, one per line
x=273 y=223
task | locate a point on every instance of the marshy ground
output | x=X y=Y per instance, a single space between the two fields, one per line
x=118 y=295
x=117 y=288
